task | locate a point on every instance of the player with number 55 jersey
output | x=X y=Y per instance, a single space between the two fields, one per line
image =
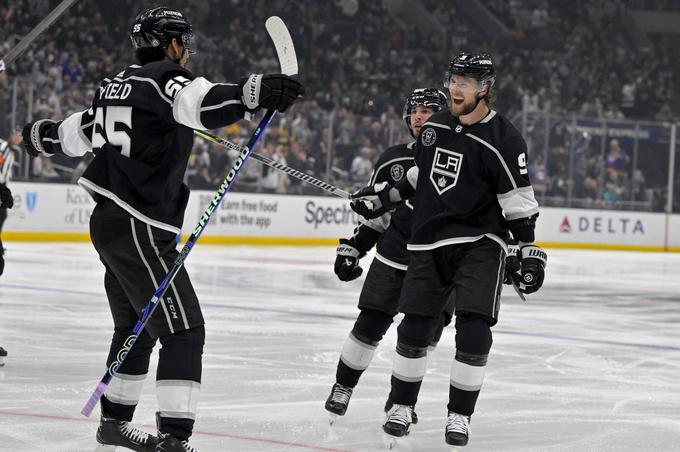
x=140 y=128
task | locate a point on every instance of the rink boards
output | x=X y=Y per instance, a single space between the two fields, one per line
x=58 y=212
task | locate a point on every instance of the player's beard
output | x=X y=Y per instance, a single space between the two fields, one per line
x=466 y=108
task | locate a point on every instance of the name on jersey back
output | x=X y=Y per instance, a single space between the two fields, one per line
x=115 y=91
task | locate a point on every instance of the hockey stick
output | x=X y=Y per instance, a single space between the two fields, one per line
x=33 y=34
x=277 y=165
x=279 y=34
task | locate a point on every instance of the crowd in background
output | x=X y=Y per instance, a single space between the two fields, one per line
x=359 y=62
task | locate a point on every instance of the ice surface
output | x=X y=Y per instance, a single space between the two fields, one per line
x=590 y=363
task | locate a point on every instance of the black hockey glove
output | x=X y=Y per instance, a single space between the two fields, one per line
x=347 y=260
x=373 y=201
x=270 y=91
x=33 y=134
x=532 y=260
x=6 y=198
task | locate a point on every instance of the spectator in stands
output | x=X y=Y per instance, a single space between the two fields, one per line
x=617 y=159
x=362 y=165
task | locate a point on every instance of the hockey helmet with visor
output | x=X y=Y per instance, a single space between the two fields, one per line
x=156 y=27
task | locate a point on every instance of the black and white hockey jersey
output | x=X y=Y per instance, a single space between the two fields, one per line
x=140 y=127
x=472 y=181
x=394 y=227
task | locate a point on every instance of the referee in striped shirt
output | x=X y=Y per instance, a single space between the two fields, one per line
x=7 y=149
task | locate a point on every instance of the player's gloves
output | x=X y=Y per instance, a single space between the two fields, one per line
x=373 y=201
x=513 y=267
x=270 y=91
x=6 y=198
x=347 y=260
x=531 y=272
x=33 y=134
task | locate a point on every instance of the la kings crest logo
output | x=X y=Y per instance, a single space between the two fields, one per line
x=397 y=172
x=429 y=137
x=445 y=169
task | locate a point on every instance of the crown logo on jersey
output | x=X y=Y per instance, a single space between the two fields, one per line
x=445 y=169
x=459 y=128
x=429 y=136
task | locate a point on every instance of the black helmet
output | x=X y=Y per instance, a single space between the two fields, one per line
x=157 y=26
x=475 y=65
x=428 y=97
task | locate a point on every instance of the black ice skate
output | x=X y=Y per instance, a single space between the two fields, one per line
x=457 y=429
x=112 y=432
x=399 y=420
x=338 y=400
x=167 y=443
x=3 y=356
x=389 y=404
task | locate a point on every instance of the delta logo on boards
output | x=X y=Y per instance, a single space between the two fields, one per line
x=604 y=225
x=565 y=227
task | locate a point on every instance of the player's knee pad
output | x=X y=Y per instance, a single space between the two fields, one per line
x=371 y=326
x=417 y=331
x=180 y=357
x=473 y=336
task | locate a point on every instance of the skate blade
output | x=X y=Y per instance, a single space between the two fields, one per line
x=105 y=448
x=390 y=442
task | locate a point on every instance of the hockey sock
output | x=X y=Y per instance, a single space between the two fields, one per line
x=473 y=342
x=178 y=381
x=125 y=388
x=410 y=362
x=359 y=348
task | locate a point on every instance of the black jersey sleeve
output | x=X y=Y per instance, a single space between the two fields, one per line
x=508 y=166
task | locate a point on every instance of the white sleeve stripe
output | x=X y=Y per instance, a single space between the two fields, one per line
x=379 y=224
x=223 y=104
x=518 y=203
x=436 y=124
x=376 y=171
x=186 y=108
x=498 y=154
x=74 y=143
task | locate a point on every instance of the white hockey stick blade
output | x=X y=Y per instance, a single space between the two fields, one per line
x=284 y=45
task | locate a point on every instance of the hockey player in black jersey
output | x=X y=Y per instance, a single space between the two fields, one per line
x=378 y=302
x=140 y=128
x=471 y=189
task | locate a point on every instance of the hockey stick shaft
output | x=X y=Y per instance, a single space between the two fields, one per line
x=33 y=34
x=279 y=166
x=179 y=262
